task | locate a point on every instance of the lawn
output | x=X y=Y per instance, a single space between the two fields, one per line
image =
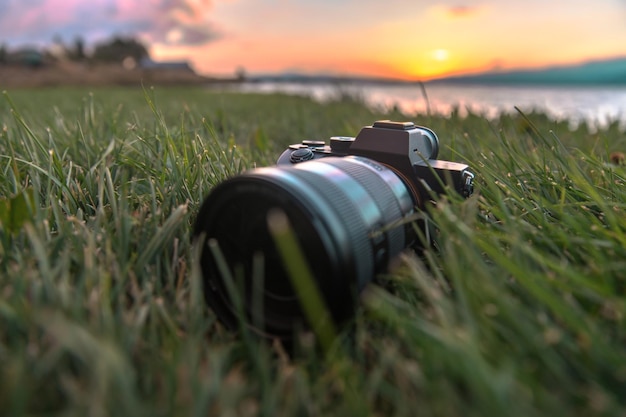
x=519 y=311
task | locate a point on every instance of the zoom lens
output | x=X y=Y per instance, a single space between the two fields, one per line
x=347 y=214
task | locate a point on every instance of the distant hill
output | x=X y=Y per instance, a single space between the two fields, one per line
x=607 y=72
x=302 y=78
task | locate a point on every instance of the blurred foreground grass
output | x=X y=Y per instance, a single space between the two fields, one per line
x=520 y=312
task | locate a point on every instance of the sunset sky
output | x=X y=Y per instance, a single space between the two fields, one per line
x=413 y=39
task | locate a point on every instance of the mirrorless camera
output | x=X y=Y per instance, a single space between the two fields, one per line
x=351 y=204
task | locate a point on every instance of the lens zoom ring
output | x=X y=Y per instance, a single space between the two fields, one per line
x=384 y=197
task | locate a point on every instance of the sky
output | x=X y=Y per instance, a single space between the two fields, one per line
x=409 y=39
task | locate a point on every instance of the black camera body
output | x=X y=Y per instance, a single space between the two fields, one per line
x=409 y=150
x=351 y=205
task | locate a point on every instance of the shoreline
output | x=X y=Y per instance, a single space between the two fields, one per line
x=90 y=75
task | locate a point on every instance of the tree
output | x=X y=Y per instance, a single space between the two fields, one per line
x=79 y=49
x=119 y=49
x=241 y=74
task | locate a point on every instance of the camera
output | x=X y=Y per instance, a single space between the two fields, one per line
x=351 y=205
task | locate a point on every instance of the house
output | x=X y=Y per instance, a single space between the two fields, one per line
x=28 y=57
x=149 y=64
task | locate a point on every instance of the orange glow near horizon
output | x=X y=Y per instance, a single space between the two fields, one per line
x=410 y=40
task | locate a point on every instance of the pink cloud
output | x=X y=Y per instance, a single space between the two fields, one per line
x=39 y=21
x=462 y=10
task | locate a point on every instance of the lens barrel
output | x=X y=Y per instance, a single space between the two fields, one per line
x=347 y=214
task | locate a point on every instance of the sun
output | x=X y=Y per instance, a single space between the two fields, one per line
x=432 y=63
x=440 y=55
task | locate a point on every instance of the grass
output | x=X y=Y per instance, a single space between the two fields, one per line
x=520 y=310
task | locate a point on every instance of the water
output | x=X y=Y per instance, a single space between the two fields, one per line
x=597 y=105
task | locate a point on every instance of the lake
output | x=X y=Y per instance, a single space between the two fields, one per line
x=598 y=105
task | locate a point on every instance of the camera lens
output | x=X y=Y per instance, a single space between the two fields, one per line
x=346 y=213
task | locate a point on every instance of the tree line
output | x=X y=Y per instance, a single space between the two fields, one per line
x=114 y=50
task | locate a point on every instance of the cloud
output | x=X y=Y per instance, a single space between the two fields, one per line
x=461 y=10
x=184 y=22
x=169 y=22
